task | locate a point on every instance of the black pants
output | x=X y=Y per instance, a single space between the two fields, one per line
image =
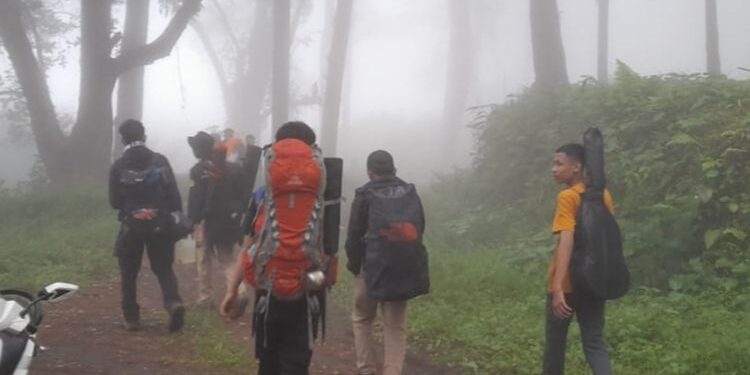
x=282 y=337
x=589 y=311
x=160 y=250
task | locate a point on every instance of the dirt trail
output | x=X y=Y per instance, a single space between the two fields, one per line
x=85 y=337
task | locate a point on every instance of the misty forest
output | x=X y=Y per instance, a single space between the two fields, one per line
x=472 y=98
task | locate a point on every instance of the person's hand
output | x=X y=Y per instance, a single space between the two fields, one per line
x=559 y=306
x=228 y=303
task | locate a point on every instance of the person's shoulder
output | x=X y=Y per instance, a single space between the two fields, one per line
x=569 y=193
x=570 y=196
x=160 y=159
x=362 y=189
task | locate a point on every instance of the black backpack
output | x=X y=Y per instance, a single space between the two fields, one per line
x=396 y=264
x=145 y=196
x=598 y=263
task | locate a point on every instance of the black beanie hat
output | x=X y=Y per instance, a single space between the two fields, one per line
x=381 y=162
x=202 y=143
x=131 y=131
x=296 y=130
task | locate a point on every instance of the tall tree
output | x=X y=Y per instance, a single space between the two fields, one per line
x=241 y=53
x=84 y=154
x=244 y=70
x=547 y=47
x=602 y=73
x=460 y=72
x=335 y=76
x=130 y=83
x=280 y=75
x=713 y=59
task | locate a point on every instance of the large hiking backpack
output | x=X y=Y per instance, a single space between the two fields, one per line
x=289 y=244
x=145 y=194
x=597 y=264
x=396 y=264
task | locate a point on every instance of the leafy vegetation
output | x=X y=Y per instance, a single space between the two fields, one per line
x=677 y=157
x=486 y=317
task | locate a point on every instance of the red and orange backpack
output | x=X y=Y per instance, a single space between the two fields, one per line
x=288 y=240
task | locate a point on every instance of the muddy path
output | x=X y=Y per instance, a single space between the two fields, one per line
x=84 y=335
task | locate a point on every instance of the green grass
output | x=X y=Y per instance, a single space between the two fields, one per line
x=69 y=236
x=213 y=345
x=487 y=318
x=47 y=237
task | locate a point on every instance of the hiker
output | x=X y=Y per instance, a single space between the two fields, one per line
x=563 y=301
x=235 y=149
x=284 y=259
x=386 y=254
x=143 y=189
x=215 y=206
x=249 y=140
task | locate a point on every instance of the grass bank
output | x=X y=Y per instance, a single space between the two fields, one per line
x=68 y=236
x=487 y=318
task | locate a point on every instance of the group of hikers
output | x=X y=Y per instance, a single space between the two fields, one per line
x=277 y=244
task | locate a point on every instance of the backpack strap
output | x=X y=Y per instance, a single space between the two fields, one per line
x=267 y=242
x=313 y=237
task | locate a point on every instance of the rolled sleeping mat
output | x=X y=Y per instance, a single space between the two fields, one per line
x=593 y=145
x=332 y=195
x=250 y=166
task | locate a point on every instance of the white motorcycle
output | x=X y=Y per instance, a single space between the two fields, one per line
x=20 y=316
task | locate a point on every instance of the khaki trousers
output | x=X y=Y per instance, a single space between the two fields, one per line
x=206 y=250
x=394 y=331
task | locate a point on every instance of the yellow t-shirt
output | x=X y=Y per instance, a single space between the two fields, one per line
x=568 y=201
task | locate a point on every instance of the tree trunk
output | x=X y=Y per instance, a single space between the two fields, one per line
x=458 y=74
x=216 y=63
x=130 y=83
x=280 y=80
x=251 y=88
x=45 y=127
x=602 y=73
x=335 y=76
x=91 y=138
x=547 y=46
x=84 y=155
x=713 y=59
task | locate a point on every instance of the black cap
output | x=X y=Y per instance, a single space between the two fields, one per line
x=296 y=130
x=132 y=131
x=381 y=162
x=202 y=143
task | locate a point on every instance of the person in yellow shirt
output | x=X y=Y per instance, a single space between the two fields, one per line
x=563 y=301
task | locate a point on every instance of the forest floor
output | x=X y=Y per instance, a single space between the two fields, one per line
x=84 y=335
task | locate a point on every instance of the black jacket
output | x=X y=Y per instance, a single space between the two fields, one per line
x=218 y=199
x=355 y=238
x=138 y=158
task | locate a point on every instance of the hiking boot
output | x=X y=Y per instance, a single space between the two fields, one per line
x=176 y=317
x=132 y=326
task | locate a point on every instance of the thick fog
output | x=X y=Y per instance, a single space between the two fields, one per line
x=395 y=80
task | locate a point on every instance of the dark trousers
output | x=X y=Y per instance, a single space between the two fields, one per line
x=589 y=312
x=282 y=338
x=160 y=250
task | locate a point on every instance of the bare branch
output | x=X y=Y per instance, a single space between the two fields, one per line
x=162 y=46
